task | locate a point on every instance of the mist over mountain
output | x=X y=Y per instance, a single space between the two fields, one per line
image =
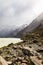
x=14 y=31
x=11 y=31
x=38 y=22
x=19 y=12
x=6 y=30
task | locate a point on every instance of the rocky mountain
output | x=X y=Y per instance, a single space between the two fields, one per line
x=38 y=22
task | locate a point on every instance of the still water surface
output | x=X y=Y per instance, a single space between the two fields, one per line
x=6 y=41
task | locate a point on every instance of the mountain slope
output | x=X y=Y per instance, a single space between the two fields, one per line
x=36 y=23
x=14 y=31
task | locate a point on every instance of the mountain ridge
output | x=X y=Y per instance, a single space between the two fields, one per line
x=35 y=23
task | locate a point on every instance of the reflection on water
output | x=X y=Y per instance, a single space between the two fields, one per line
x=6 y=41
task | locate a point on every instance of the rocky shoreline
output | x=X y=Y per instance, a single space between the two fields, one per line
x=27 y=52
x=16 y=54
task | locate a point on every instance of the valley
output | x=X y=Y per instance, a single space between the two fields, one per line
x=30 y=50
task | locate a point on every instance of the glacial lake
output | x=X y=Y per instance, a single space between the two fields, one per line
x=7 y=41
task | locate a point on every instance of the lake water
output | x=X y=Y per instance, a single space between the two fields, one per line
x=7 y=41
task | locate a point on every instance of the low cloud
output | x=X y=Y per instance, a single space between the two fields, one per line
x=18 y=12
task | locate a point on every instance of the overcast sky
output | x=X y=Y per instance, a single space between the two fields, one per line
x=18 y=12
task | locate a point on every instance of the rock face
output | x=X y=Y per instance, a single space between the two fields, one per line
x=35 y=60
x=2 y=61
